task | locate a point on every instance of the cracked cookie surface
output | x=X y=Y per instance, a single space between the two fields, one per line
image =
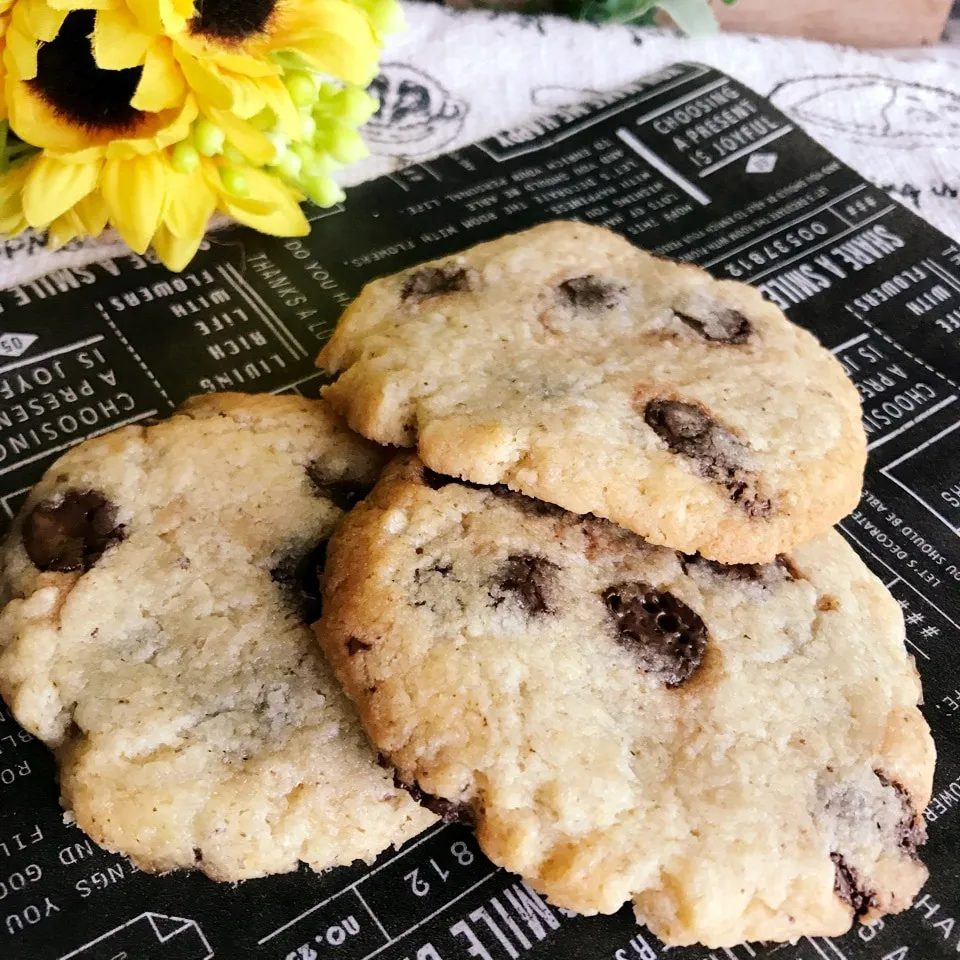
x=160 y=581
x=738 y=750
x=577 y=369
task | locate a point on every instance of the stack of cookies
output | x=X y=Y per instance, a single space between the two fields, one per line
x=596 y=611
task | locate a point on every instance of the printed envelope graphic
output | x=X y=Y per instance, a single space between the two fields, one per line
x=150 y=936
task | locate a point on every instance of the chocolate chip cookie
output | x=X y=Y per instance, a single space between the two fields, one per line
x=577 y=369
x=737 y=749
x=160 y=581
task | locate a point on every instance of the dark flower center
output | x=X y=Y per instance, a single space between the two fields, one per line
x=69 y=80
x=231 y=19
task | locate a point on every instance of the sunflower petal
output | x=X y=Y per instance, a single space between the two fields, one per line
x=13 y=226
x=160 y=17
x=175 y=14
x=78 y=155
x=69 y=5
x=175 y=252
x=285 y=219
x=135 y=193
x=93 y=213
x=43 y=21
x=118 y=43
x=205 y=80
x=63 y=230
x=277 y=97
x=35 y=122
x=20 y=53
x=161 y=85
x=246 y=95
x=11 y=186
x=165 y=129
x=31 y=22
x=247 y=65
x=12 y=220
x=53 y=187
x=333 y=35
x=190 y=204
x=253 y=144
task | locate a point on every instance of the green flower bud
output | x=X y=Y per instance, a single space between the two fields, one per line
x=234 y=182
x=208 y=137
x=346 y=145
x=308 y=126
x=280 y=145
x=356 y=106
x=301 y=87
x=265 y=120
x=328 y=90
x=185 y=157
x=385 y=15
x=322 y=191
x=289 y=165
x=318 y=161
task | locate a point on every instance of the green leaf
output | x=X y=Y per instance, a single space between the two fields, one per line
x=4 y=158
x=693 y=17
x=614 y=11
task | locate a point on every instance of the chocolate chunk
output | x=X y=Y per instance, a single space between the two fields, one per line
x=718 y=323
x=690 y=431
x=911 y=829
x=591 y=293
x=717 y=453
x=847 y=886
x=354 y=645
x=71 y=531
x=667 y=637
x=343 y=491
x=435 y=281
x=527 y=579
x=299 y=577
x=449 y=811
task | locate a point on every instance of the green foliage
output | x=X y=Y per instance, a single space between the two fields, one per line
x=694 y=17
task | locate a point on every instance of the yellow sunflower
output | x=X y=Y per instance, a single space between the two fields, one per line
x=332 y=37
x=61 y=101
x=233 y=54
x=83 y=119
x=106 y=159
x=151 y=114
x=174 y=223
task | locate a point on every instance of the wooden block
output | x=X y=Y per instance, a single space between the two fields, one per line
x=860 y=23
